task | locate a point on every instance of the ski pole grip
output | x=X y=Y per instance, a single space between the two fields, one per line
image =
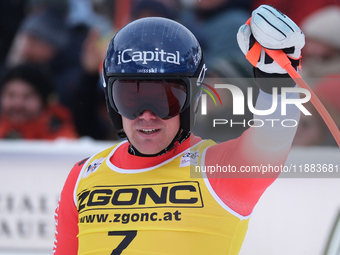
x=279 y=57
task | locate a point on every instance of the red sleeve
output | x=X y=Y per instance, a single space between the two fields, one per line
x=241 y=191
x=66 y=217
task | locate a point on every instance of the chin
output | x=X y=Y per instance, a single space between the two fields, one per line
x=149 y=150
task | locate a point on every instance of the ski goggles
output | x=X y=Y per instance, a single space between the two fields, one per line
x=166 y=98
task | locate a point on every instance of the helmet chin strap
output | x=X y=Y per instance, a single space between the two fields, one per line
x=179 y=138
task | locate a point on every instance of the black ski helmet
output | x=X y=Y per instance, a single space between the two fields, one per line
x=151 y=48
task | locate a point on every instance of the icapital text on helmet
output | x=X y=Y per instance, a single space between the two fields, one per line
x=129 y=55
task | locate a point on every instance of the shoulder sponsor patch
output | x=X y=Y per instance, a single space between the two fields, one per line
x=189 y=157
x=93 y=167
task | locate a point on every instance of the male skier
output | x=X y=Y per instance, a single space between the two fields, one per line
x=138 y=197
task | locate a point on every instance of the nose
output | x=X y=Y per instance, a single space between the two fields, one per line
x=147 y=115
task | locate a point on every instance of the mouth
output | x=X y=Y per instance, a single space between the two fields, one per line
x=149 y=131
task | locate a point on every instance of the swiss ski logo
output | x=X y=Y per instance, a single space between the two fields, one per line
x=93 y=167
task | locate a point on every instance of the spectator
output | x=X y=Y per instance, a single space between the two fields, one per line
x=321 y=67
x=322 y=51
x=206 y=19
x=215 y=24
x=153 y=8
x=26 y=108
x=44 y=38
x=57 y=39
x=89 y=100
x=11 y=15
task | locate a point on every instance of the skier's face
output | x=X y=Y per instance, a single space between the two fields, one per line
x=150 y=134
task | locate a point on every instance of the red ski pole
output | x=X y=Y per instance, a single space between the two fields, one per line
x=281 y=58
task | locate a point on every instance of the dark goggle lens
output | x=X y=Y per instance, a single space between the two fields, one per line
x=166 y=97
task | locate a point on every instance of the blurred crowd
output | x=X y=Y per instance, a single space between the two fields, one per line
x=51 y=54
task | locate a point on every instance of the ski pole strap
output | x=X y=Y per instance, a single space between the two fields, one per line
x=254 y=52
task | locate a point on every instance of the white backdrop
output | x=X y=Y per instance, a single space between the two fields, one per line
x=294 y=216
x=32 y=176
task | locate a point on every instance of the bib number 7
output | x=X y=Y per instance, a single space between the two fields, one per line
x=129 y=236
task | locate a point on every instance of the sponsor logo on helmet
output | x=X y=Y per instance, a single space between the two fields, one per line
x=129 y=55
